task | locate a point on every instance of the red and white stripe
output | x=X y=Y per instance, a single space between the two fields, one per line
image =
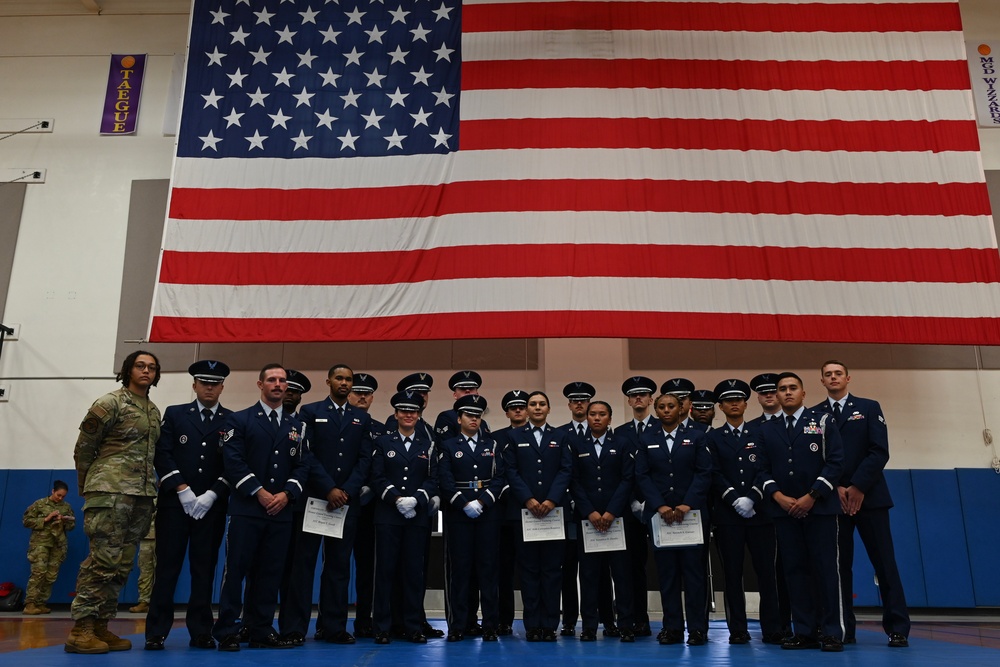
x=797 y=170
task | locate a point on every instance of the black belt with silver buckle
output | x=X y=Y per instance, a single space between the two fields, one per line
x=478 y=484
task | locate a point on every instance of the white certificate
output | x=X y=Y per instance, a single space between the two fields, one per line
x=686 y=534
x=612 y=540
x=551 y=527
x=322 y=521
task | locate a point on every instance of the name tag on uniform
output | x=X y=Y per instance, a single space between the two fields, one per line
x=585 y=454
x=523 y=444
x=322 y=421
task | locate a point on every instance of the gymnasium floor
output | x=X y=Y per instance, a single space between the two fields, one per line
x=936 y=641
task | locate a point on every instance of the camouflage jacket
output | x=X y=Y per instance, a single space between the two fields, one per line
x=52 y=533
x=114 y=453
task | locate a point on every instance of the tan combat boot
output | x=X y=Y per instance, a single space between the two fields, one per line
x=140 y=608
x=44 y=608
x=32 y=609
x=82 y=640
x=114 y=642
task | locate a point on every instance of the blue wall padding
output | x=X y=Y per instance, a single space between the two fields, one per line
x=945 y=526
x=947 y=574
x=980 y=493
x=906 y=536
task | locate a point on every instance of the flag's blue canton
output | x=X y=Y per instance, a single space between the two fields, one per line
x=322 y=78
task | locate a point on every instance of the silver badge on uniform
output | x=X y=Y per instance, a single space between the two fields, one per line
x=813 y=447
x=183 y=439
x=753 y=458
x=391 y=454
x=458 y=455
x=291 y=452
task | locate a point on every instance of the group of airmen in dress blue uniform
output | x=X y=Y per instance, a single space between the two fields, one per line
x=789 y=487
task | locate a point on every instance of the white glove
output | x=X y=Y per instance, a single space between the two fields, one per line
x=434 y=505
x=188 y=499
x=637 y=508
x=473 y=509
x=744 y=507
x=366 y=495
x=203 y=504
x=406 y=506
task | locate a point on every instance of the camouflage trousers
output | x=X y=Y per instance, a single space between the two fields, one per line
x=45 y=562
x=147 y=566
x=114 y=524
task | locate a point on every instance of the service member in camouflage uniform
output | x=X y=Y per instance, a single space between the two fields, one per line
x=147 y=566
x=49 y=519
x=114 y=467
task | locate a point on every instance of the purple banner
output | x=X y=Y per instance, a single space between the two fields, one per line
x=121 y=101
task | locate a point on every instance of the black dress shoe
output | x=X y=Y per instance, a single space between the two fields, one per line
x=244 y=634
x=489 y=635
x=156 y=643
x=475 y=630
x=363 y=631
x=567 y=631
x=667 y=637
x=643 y=630
x=549 y=635
x=202 y=641
x=230 y=643
x=320 y=634
x=611 y=630
x=417 y=638
x=777 y=638
x=697 y=638
x=382 y=638
x=627 y=637
x=341 y=637
x=504 y=630
x=430 y=632
x=294 y=638
x=534 y=635
x=898 y=640
x=588 y=635
x=831 y=644
x=800 y=642
x=739 y=637
x=273 y=640
x=455 y=637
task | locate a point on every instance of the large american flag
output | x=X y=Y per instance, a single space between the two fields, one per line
x=434 y=169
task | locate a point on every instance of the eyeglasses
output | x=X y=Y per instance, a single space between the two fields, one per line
x=141 y=366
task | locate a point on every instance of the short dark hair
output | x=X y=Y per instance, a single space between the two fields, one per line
x=125 y=374
x=329 y=373
x=834 y=362
x=676 y=398
x=59 y=485
x=787 y=374
x=604 y=403
x=542 y=394
x=270 y=367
